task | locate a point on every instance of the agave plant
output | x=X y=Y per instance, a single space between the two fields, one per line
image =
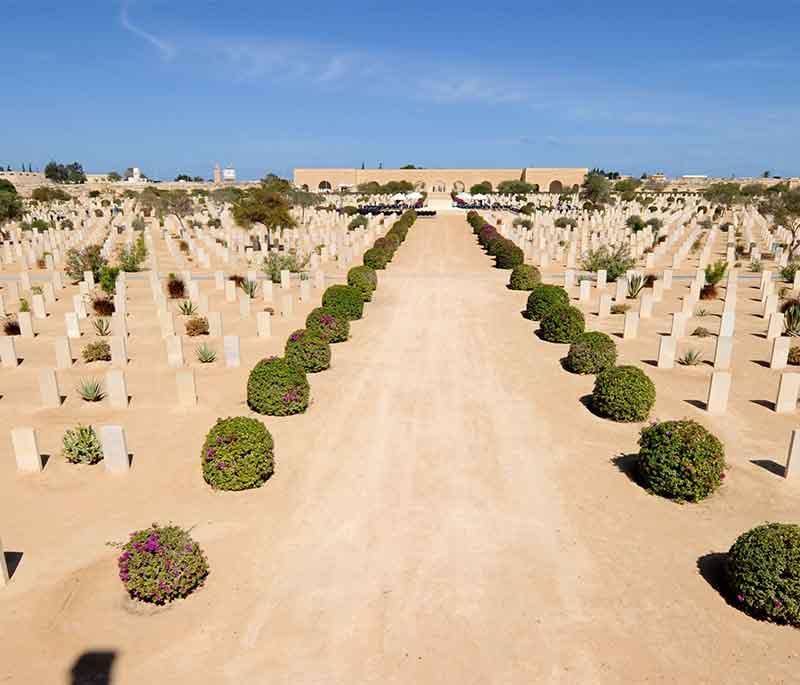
x=249 y=287
x=635 y=285
x=791 y=320
x=187 y=308
x=91 y=390
x=205 y=354
x=691 y=358
x=102 y=327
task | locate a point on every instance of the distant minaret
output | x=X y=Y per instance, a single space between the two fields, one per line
x=217 y=174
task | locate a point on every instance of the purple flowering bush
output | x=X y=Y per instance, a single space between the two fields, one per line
x=161 y=563
x=308 y=350
x=277 y=387
x=332 y=327
x=763 y=572
x=237 y=454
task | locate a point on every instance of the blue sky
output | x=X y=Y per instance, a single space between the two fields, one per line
x=174 y=86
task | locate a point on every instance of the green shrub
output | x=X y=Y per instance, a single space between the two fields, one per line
x=623 y=393
x=277 y=388
x=591 y=352
x=562 y=324
x=543 y=297
x=161 y=563
x=376 y=258
x=332 y=327
x=357 y=222
x=763 y=572
x=364 y=279
x=237 y=454
x=507 y=255
x=197 y=325
x=308 y=350
x=81 y=445
x=344 y=300
x=524 y=277
x=99 y=351
x=680 y=460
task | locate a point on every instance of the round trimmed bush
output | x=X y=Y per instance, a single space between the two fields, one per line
x=487 y=234
x=524 y=277
x=495 y=245
x=623 y=393
x=237 y=454
x=332 y=327
x=345 y=300
x=763 y=572
x=363 y=278
x=562 y=324
x=161 y=563
x=277 y=387
x=392 y=241
x=375 y=258
x=591 y=352
x=680 y=460
x=507 y=255
x=542 y=298
x=308 y=350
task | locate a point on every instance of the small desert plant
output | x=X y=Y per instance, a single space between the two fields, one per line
x=308 y=350
x=635 y=285
x=103 y=305
x=250 y=288
x=794 y=355
x=623 y=393
x=619 y=308
x=591 y=352
x=161 y=563
x=37 y=290
x=756 y=266
x=102 y=327
x=700 y=312
x=277 y=387
x=542 y=298
x=11 y=326
x=332 y=327
x=197 y=325
x=562 y=324
x=691 y=358
x=90 y=390
x=524 y=277
x=187 y=308
x=680 y=460
x=701 y=332
x=205 y=354
x=714 y=274
x=98 y=351
x=175 y=287
x=762 y=570
x=791 y=320
x=24 y=305
x=788 y=271
x=237 y=454
x=81 y=445
x=345 y=300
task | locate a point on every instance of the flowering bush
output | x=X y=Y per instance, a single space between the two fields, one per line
x=562 y=324
x=763 y=572
x=332 y=327
x=542 y=298
x=344 y=300
x=308 y=350
x=363 y=278
x=161 y=564
x=524 y=277
x=591 y=352
x=623 y=393
x=680 y=460
x=277 y=387
x=237 y=454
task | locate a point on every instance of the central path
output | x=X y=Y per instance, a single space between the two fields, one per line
x=424 y=533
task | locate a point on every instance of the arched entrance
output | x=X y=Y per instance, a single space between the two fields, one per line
x=556 y=187
x=324 y=185
x=459 y=186
x=419 y=186
x=439 y=187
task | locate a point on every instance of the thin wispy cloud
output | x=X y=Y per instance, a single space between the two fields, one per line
x=166 y=48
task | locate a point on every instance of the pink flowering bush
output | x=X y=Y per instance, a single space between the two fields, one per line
x=237 y=454
x=333 y=327
x=277 y=387
x=161 y=563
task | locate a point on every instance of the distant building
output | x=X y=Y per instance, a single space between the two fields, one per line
x=228 y=174
x=217 y=174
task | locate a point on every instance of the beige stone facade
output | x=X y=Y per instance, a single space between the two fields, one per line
x=440 y=180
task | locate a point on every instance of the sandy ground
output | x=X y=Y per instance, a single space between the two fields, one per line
x=446 y=511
